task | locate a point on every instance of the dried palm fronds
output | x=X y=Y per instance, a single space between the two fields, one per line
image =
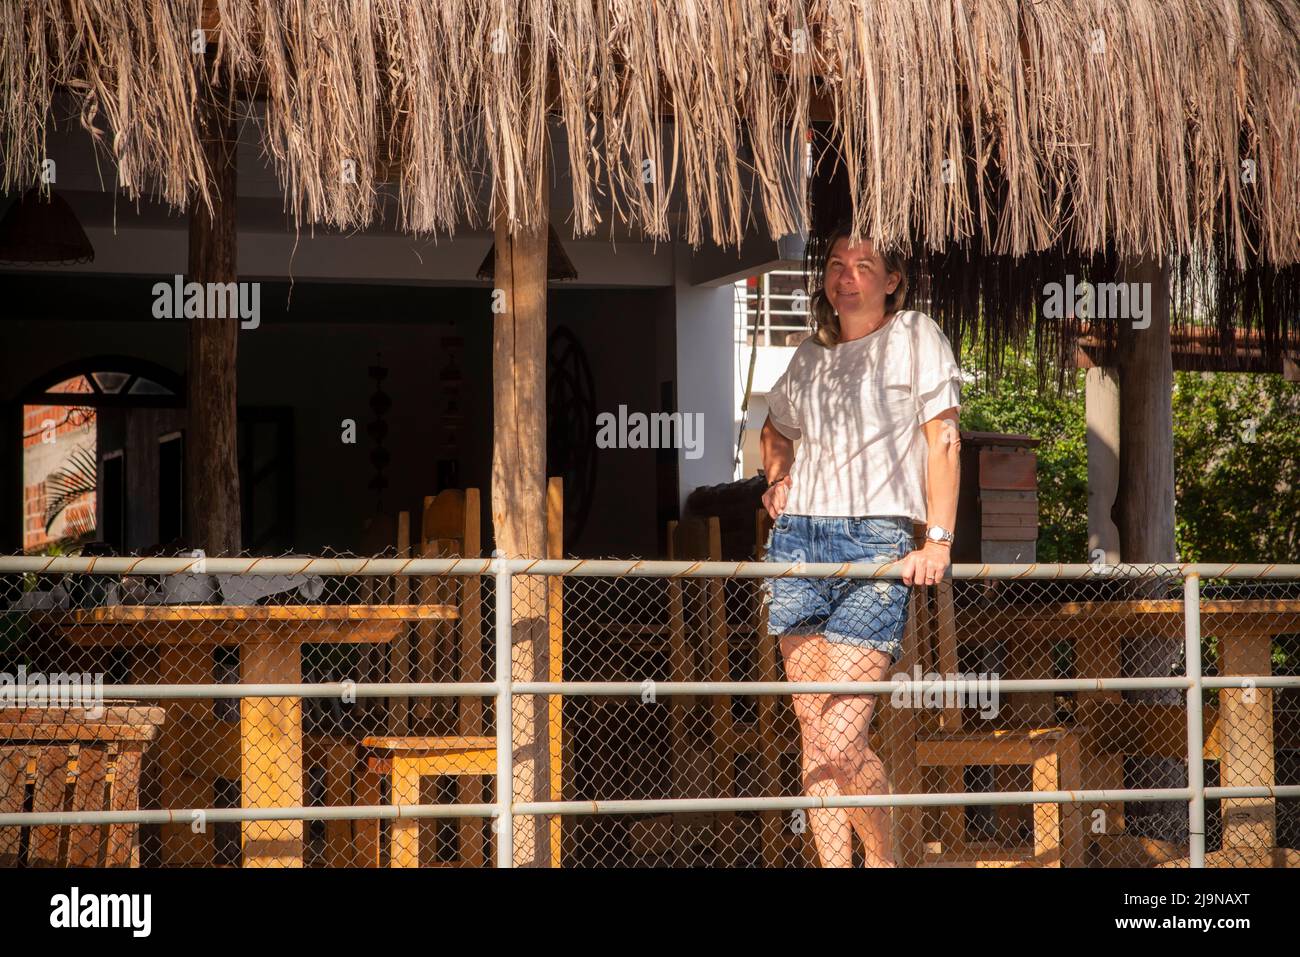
x=1001 y=128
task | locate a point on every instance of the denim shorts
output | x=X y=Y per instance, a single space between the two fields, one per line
x=866 y=612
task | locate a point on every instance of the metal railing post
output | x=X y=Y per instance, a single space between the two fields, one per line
x=504 y=825
x=1195 y=726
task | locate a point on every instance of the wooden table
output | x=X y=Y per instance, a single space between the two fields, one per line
x=270 y=640
x=1244 y=738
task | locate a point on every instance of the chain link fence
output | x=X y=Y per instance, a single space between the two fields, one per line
x=366 y=713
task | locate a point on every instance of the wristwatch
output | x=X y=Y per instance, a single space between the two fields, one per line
x=937 y=533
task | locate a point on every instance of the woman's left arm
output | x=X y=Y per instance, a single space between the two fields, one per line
x=929 y=563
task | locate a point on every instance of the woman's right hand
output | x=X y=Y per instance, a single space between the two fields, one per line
x=775 y=497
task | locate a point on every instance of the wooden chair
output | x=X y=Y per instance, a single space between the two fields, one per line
x=52 y=750
x=699 y=620
x=459 y=745
x=921 y=739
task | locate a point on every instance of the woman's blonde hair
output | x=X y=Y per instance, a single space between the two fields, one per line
x=825 y=321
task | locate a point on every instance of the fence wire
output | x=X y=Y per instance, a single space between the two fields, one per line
x=337 y=713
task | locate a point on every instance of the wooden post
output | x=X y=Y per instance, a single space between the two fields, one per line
x=1144 y=499
x=519 y=498
x=212 y=515
x=1248 y=759
x=271 y=752
x=1101 y=404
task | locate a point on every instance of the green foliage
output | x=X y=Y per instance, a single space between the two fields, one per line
x=1236 y=465
x=1012 y=403
x=1236 y=458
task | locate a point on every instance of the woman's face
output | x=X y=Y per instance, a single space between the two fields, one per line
x=857 y=280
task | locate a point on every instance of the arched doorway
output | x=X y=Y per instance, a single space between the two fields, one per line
x=89 y=431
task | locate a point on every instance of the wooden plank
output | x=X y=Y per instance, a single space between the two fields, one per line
x=425 y=636
x=446 y=639
x=1046 y=776
x=123 y=848
x=271 y=754
x=1012 y=533
x=1246 y=739
x=1007 y=520
x=555 y=659
x=1074 y=846
x=475 y=763
x=13 y=792
x=83 y=840
x=339 y=759
x=72 y=724
x=184 y=779
x=260 y=614
x=87 y=795
x=1000 y=499
x=1000 y=469
x=366 y=832
x=399 y=650
x=444 y=515
x=470 y=788
x=404 y=833
x=48 y=789
x=996 y=747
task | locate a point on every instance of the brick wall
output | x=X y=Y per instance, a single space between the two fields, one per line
x=50 y=435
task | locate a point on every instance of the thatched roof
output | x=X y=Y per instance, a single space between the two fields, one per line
x=991 y=127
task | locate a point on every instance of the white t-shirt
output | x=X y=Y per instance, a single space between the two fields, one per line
x=857 y=409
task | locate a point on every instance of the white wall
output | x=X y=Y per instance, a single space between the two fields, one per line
x=705 y=373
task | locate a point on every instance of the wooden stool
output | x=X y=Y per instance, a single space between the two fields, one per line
x=1053 y=754
x=405 y=761
x=50 y=748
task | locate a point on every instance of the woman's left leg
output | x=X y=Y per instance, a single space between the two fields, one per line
x=858 y=769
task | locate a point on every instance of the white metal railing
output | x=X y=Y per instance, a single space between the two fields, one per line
x=504 y=688
x=758 y=316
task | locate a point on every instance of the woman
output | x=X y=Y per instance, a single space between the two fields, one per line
x=872 y=396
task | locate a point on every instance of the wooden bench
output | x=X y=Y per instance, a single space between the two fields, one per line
x=74 y=762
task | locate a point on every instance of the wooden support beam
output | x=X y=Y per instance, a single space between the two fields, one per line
x=519 y=500
x=212 y=514
x=1144 y=497
x=1144 y=501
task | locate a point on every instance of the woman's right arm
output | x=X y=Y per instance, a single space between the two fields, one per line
x=778 y=459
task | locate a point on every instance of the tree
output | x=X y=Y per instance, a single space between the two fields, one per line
x=1237 y=455
x=1236 y=458
x=1013 y=403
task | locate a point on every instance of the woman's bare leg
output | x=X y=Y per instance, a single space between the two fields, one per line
x=857 y=769
x=805 y=660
